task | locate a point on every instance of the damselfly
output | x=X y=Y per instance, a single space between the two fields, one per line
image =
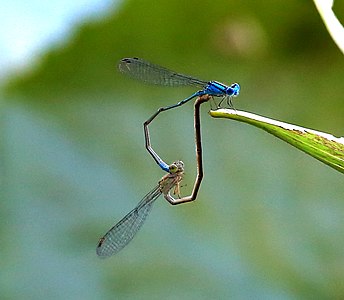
x=124 y=231
x=150 y=73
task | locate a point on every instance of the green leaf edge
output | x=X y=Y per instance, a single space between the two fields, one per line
x=320 y=145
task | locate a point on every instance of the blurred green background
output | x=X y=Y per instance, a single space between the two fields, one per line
x=269 y=220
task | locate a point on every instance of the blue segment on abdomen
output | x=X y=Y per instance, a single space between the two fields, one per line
x=164 y=166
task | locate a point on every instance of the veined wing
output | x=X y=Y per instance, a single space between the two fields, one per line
x=123 y=232
x=145 y=71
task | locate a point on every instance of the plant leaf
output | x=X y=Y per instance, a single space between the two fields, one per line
x=322 y=146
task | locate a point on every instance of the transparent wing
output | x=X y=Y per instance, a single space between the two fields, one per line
x=123 y=232
x=145 y=71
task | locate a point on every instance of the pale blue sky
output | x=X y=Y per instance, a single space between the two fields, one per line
x=28 y=27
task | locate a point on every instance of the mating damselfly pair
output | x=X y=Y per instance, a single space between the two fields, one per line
x=124 y=231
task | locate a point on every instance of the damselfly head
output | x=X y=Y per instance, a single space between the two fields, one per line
x=233 y=90
x=176 y=167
